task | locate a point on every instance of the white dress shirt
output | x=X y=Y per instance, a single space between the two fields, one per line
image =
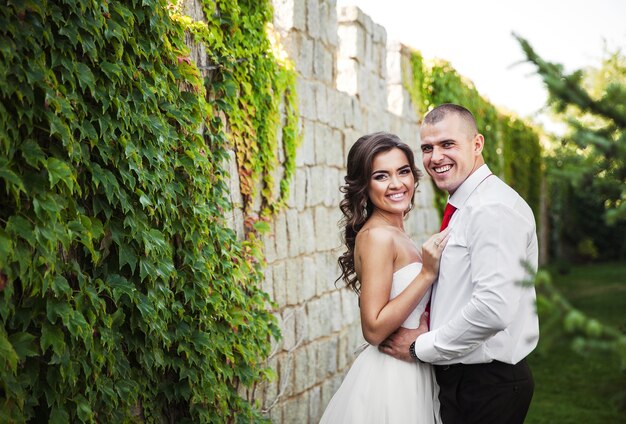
x=483 y=307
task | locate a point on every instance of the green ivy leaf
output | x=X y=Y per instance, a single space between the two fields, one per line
x=57 y=309
x=127 y=257
x=8 y=355
x=52 y=336
x=59 y=171
x=21 y=227
x=85 y=77
x=120 y=286
x=60 y=286
x=32 y=153
x=58 y=415
x=83 y=409
x=10 y=177
x=24 y=344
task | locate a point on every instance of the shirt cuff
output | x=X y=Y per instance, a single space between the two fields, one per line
x=425 y=347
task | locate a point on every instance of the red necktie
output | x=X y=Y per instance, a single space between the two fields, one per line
x=447 y=215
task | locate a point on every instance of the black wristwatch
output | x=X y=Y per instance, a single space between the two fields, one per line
x=412 y=353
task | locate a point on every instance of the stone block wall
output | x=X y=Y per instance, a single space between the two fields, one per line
x=349 y=84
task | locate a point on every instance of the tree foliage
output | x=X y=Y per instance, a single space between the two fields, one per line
x=123 y=293
x=593 y=105
x=587 y=175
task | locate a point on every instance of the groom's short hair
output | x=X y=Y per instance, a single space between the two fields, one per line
x=443 y=110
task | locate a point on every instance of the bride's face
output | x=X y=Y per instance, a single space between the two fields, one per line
x=391 y=183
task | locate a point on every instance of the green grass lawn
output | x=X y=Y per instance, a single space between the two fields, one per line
x=570 y=388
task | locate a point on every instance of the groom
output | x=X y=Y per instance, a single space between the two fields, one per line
x=483 y=320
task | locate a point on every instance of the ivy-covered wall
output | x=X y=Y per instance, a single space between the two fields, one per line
x=131 y=132
x=124 y=294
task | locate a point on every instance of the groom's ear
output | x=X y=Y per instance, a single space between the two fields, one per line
x=478 y=143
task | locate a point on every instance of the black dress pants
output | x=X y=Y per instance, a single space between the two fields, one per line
x=493 y=393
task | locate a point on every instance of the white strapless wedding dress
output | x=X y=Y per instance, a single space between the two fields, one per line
x=379 y=389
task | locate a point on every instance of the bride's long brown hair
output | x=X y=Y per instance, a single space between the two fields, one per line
x=355 y=206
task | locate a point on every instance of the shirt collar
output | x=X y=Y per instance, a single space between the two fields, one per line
x=468 y=186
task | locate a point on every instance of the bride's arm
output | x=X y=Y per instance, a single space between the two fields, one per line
x=380 y=316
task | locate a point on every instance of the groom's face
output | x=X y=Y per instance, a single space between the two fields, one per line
x=451 y=151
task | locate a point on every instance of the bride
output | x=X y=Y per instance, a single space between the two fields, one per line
x=392 y=278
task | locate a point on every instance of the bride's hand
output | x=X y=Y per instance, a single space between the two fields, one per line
x=431 y=252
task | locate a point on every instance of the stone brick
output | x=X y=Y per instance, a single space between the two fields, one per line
x=348 y=14
x=297 y=190
x=270 y=388
x=351 y=42
x=306 y=97
x=395 y=99
x=350 y=137
x=315 y=405
x=333 y=195
x=323 y=63
x=301 y=365
x=334 y=217
x=285 y=373
x=268 y=282
x=299 y=48
x=288 y=328
x=330 y=23
x=322 y=228
x=342 y=346
x=289 y=14
x=296 y=409
x=313 y=23
x=269 y=247
x=346 y=111
x=294 y=280
x=321 y=102
x=305 y=154
x=302 y=329
x=336 y=322
x=313 y=310
x=358 y=118
x=320 y=274
x=336 y=103
x=349 y=306
x=280 y=235
x=348 y=76
x=275 y=415
x=307 y=289
x=280 y=286
x=335 y=148
x=293 y=233
x=321 y=137
x=327 y=390
x=327 y=358
x=394 y=63
x=307 y=231
x=316 y=190
x=318 y=311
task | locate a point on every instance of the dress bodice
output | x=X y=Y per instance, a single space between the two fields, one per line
x=401 y=279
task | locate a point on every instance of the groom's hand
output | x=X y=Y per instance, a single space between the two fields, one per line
x=397 y=344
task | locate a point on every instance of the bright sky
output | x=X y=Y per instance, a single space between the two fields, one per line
x=475 y=37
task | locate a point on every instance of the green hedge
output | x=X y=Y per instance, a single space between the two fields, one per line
x=512 y=147
x=123 y=294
